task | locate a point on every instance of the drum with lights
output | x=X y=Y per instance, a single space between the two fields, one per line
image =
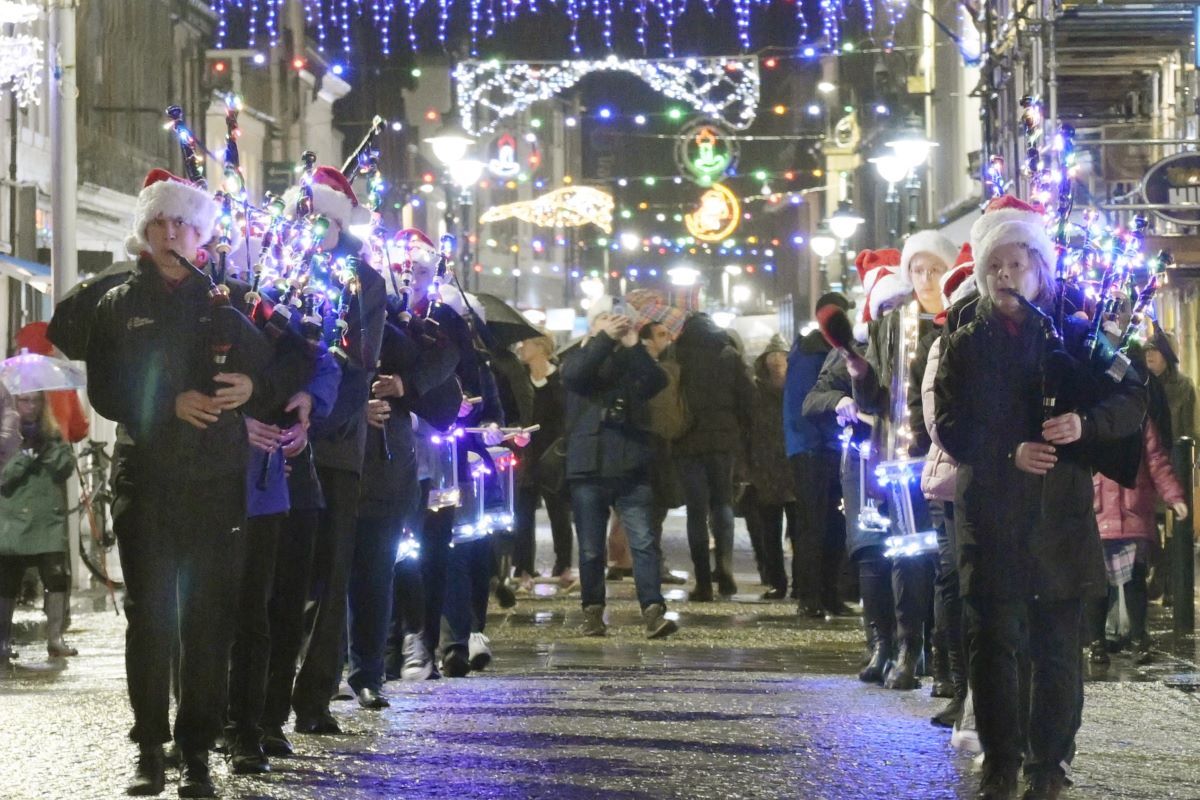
x=487 y=504
x=444 y=491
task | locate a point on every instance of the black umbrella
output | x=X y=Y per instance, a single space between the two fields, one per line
x=71 y=325
x=506 y=323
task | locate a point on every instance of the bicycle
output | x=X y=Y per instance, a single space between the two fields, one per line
x=96 y=537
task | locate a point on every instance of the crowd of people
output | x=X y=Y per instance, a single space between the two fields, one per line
x=268 y=494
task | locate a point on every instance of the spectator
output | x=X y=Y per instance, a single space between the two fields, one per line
x=1163 y=363
x=609 y=453
x=719 y=395
x=33 y=521
x=772 y=496
x=538 y=480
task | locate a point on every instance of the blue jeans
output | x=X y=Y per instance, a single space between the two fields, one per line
x=591 y=500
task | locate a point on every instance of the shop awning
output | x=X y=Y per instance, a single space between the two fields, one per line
x=27 y=272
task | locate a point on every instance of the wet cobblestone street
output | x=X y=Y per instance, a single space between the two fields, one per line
x=746 y=701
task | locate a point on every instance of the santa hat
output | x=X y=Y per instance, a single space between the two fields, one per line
x=881 y=284
x=1008 y=220
x=869 y=260
x=955 y=283
x=415 y=242
x=333 y=198
x=169 y=196
x=931 y=242
x=33 y=338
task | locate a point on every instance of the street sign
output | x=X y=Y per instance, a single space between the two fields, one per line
x=1175 y=181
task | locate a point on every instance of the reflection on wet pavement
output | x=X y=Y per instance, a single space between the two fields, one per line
x=747 y=701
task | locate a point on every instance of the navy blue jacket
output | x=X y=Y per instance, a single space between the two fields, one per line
x=807 y=434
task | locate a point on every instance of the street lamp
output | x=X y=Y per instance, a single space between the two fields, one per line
x=893 y=169
x=913 y=151
x=451 y=142
x=465 y=172
x=844 y=222
x=823 y=243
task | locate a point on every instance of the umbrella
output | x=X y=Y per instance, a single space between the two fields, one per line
x=72 y=322
x=506 y=323
x=29 y=372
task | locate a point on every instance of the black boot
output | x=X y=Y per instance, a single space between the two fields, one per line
x=999 y=781
x=149 y=777
x=942 y=684
x=903 y=674
x=246 y=754
x=194 y=780
x=881 y=653
x=956 y=659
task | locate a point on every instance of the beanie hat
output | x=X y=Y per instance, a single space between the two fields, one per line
x=333 y=198
x=868 y=260
x=1008 y=220
x=955 y=283
x=834 y=299
x=930 y=242
x=600 y=305
x=169 y=196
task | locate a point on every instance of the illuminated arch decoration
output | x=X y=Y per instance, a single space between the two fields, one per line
x=705 y=151
x=568 y=207
x=724 y=88
x=717 y=216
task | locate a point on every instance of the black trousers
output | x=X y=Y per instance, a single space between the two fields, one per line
x=767 y=520
x=52 y=569
x=285 y=611
x=179 y=544
x=879 y=605
x=1045 y=724
x=468 y=580
x=323 y=651
x=434 y=534
x=912 y=588
x=821 y=529
x=370 y=598
x=251 y=654
x=947 y=604
x=558 y=509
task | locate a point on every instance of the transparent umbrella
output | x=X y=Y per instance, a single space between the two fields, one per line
x=29 y=372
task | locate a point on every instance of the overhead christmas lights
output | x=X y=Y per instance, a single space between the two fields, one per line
x=717 y=216
x=20 y=53
x=569 y=207
x=722 y=88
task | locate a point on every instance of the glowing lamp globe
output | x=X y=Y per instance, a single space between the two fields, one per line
x=823 y=243
x=683 y=276
x=891 y=168
x=844 y=223
x=450 y=143
x=912 y=150
x=465 y=172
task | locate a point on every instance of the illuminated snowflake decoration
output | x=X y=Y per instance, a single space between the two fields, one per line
x=569 y=207
x=724 y=88
x=20 y=52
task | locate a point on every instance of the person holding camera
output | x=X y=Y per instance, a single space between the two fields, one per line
x=609 y=381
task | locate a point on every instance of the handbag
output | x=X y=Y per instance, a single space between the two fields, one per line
x=550 y=472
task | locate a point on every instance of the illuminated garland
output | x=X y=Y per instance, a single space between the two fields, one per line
x=336 y=19
x=21 y=60
x=723 y=88
x=568 y=207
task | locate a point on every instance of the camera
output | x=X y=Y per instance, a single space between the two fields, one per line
x=616 y=413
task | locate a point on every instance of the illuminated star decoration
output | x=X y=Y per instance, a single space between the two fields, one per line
x=335 y=21
x=722 y=88
x=21 y=60
x=569 y=207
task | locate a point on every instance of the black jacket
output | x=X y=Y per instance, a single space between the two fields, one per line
x=149 y=343
x=1020 y=535
x=608 y=421
x=717 y=388
x=340 y=439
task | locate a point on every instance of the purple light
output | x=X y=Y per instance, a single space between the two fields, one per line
x=606 y=113
x=337 y=69
x=797 y=240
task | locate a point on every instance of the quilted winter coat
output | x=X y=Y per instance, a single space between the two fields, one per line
x=1129 y=513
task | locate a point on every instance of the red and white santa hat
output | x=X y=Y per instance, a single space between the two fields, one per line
x=881 y=283
x=869 y=260
x=1008 y=220
x=333 y=198
x=955 y=283
x=169 y=196
x=931 y=242
x=414 y=243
